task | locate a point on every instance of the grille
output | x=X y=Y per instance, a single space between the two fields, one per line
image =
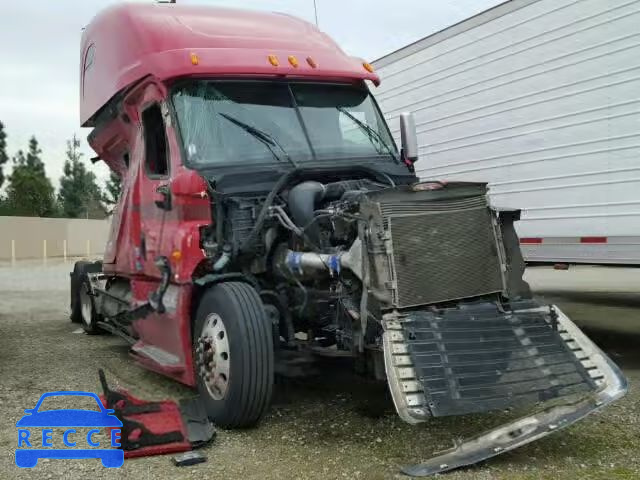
x=478 y=359
x=448 y=251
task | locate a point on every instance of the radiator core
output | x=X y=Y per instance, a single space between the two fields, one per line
x=440 y=250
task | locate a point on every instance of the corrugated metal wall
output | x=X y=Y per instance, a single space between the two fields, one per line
x=542 y=99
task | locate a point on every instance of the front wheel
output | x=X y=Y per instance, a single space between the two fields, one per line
x=233 y=351
x=80 y=270
x=89 y=315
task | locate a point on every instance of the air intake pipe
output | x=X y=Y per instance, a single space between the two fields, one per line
x=304 y=198
x=315 y=265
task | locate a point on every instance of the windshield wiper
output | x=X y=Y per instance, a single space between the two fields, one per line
x=370 y=132
x=264 y=137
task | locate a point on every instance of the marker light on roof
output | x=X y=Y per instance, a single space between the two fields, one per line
x=312 y=63
x=368 y=67
x=293 y=61
x=194 y=59
x=273 y=60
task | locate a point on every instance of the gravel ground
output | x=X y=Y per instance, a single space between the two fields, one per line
x=333 y=427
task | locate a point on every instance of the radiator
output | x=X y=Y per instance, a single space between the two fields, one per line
x=439 y=246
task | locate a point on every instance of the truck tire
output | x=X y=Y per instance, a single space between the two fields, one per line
x=80 y=269
x=233 y=353
x=90 y=316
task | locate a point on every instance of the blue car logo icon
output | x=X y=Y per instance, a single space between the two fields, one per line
x=112 y=457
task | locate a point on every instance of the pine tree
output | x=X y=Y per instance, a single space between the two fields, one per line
x=19 y=159
x=33 y=160
x=4 y=157
x=30 y=192
x=79 y=196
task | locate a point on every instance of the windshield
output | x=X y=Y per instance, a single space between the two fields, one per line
x=225 y=122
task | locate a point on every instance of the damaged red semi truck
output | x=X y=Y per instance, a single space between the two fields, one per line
x=266 y=212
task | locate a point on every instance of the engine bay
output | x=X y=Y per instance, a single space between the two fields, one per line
x=332 y=256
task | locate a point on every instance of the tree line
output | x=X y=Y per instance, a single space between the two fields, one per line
x=30 y=193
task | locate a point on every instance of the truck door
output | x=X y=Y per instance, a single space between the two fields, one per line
x=119 y=212
x=154 y=177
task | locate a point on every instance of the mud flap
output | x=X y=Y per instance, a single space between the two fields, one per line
x=544 y=357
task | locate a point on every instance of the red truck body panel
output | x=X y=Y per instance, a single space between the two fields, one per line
x=130 y=55
x=141 y=232
x=126 y=43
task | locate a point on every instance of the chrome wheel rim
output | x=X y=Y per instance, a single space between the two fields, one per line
x=86 y=307
x=212 y=356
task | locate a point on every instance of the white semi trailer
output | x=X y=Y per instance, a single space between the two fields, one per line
x=540 y=98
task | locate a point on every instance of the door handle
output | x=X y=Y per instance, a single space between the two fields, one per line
x=163 y=197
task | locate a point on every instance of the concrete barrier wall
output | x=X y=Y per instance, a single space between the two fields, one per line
x=35 y=237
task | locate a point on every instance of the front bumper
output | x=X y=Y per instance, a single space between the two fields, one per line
x=539 y=360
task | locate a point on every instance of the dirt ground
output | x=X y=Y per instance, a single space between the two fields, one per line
x=332 y=427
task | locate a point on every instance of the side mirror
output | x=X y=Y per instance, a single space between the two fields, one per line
x=409 y=139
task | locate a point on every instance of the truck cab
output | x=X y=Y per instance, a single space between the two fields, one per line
x=266 y=211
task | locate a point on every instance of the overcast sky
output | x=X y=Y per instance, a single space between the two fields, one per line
x=39 y=50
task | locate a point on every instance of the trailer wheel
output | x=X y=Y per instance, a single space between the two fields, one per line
x=80 y=269
x=233 y=352
x=88 y=312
